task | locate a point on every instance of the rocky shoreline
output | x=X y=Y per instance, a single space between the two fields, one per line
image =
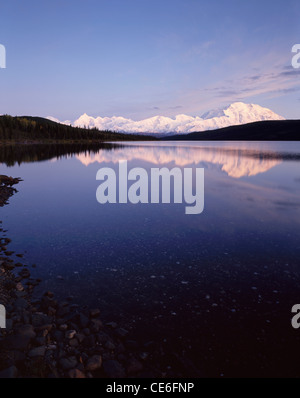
x=46 y=338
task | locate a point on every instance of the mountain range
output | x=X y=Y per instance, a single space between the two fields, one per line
x=237 y=113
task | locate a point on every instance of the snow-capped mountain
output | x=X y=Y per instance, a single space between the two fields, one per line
x=235 y=114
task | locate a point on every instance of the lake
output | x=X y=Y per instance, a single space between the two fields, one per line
x=214 y=289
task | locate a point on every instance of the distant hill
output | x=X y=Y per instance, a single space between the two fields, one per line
x=28 y=129
x=275 y=130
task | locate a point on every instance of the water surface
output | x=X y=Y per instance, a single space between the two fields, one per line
x=215 y=289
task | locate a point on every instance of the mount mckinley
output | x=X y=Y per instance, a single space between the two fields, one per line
x=235 y=114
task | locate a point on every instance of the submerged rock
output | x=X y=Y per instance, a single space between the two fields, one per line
x=113 y=369
x=94 y=363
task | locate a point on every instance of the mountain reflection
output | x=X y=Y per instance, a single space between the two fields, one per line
x=235 y=162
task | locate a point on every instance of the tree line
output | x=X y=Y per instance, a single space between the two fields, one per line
x=29 y=128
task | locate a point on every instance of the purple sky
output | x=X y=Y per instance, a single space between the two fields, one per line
x=140 y=58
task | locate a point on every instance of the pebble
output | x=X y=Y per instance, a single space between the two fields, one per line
x=46 y=338
x=134 y=366
x=15 y=342
x=9 y=373
x=94 y=363
x=70 y=334
x=73 y=343
x=113 y=369
x=76 y=374
x=26 y=330
x=37 y=351
x=94 y=312
x=68 y=363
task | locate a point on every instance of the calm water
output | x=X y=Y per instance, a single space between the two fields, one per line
x=215 y=289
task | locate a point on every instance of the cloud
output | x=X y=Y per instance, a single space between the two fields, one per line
x=250 y=76
x=202 y=50
x=275 y=83
x=176 y=107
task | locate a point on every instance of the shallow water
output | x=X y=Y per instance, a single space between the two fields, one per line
x=217 y=287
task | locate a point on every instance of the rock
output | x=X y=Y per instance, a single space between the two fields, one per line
x=83 y=320
x=37 y=351
x=121 y=358
x=27 y=330
x=134 y=366
x=94 y=363
x=109 y=346
x=83 y=357
x=26 y=317
x=132 y=345
x=9 y=324
x=58 y=335
x=9 y=373
x=19 y=287
x=39 y=341
x=96 y=325
x=120 y=349
x=73 y=343
x=63 y=327
x=80 y=337
x=8 y=266
x=62 y=311
x=19 y=357
x=40 y=319
x=76 y=374
x=45 y=328
x=70 y=317
x=51 y=311
x=112 y=325
x=144 y=355
x=49 y=294
x=89 y=341
x=70 y=334
x=21 y=303
x=120 y=332
x=24 y=273
x=102 y=337
x=113 y=369
x=68 y=363
x=48 y=302
x=15 y=342
x=94 y=312
x=51 y=347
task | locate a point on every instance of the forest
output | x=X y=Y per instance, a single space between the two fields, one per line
x=28 y=129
